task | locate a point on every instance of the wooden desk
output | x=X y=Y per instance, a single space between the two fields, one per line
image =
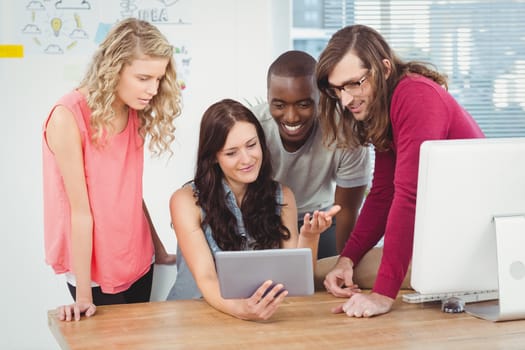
x=300 y=323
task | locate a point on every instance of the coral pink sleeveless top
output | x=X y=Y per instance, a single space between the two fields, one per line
x=122 y=244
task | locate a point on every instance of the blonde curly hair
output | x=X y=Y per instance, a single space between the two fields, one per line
x=130 y=39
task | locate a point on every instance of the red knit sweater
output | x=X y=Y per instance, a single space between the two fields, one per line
x=420 y=110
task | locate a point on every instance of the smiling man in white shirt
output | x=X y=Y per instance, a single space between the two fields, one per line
x=319 y=175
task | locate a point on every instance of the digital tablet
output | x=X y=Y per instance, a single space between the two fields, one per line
x=240 y=273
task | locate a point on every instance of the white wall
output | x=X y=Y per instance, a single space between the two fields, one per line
x=232 y=43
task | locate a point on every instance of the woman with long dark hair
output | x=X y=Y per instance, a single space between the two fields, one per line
x=234 y=204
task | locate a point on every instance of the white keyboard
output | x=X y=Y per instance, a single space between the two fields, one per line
x=468 y=297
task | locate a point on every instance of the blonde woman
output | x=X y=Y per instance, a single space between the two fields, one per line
x=97 y=228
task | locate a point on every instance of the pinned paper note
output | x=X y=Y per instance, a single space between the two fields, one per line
x=102 y=31
x=11 y=51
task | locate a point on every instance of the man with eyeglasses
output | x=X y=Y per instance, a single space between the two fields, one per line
x=319 y=175
x=394 y=106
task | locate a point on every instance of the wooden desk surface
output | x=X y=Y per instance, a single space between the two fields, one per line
x=300 y=323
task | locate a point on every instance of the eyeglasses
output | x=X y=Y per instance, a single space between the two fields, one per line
x=352 y=88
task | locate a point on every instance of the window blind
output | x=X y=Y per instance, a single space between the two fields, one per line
x=479 y=45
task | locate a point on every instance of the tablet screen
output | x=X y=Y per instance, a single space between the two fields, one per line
x=240 y=273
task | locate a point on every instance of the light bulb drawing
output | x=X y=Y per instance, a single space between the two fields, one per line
x=56 y=25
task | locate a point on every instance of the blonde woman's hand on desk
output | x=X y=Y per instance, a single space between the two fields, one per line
x=73 y=311
x=339 y=281
x=365 y=305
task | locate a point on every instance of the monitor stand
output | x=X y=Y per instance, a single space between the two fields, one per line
x=510 y=242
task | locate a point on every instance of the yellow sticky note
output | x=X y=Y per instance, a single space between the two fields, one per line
x=11 y=51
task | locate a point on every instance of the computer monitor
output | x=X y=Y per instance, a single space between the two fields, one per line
x=469 y=232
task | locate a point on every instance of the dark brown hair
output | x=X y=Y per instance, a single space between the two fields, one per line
x=259 y=207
